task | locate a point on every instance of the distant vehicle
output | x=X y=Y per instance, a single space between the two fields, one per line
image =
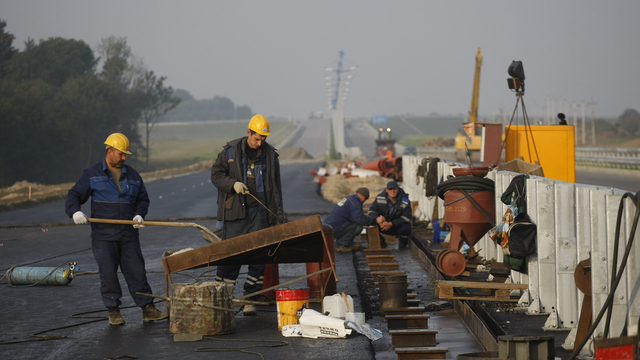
x=409 y=150
x=384 y=143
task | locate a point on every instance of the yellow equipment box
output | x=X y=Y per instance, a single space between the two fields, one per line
x=554 y=148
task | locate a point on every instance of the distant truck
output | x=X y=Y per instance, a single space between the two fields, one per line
x=385 y=144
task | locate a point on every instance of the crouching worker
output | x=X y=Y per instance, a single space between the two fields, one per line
x=347 y=219
x=393 y=209
x=117 y=192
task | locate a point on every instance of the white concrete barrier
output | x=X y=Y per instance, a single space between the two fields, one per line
x=574 y=222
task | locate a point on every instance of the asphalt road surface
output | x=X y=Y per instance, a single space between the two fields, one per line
x=314 y=137
x=30 y=310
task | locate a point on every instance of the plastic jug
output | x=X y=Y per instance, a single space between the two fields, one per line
x=336 y=306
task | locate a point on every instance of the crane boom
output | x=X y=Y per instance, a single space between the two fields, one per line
x=473 y=113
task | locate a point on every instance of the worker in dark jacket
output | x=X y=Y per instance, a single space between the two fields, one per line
x=347 y=219
x=247 y=175
x=394 y=207
x=115 y=245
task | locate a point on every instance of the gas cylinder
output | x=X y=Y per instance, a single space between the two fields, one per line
x=42 y=275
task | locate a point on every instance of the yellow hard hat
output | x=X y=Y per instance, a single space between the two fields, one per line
x=260 y=124
x=119 y=142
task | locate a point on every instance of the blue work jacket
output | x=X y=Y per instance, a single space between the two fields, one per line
x=107 y=202
x=398 y=213
x=231 y=166
x=347 y=211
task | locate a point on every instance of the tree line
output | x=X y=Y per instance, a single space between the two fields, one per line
x=218 y=108
x=57 y=107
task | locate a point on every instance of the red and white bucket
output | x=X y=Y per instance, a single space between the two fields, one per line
x=289 y=303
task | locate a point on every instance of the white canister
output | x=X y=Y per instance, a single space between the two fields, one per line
x=356 y=317
x=335 y=306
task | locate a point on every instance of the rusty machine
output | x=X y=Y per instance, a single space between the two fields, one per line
x=469 y=209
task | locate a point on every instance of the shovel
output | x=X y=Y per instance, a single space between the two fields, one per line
x=208 y=234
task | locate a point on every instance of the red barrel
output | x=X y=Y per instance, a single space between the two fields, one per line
x=315 y=283
x=271 y=278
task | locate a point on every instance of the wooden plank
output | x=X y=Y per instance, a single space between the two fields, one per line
x=373 y=237
x=377 y=252
x=483 y=285
x=415 y=353
x=384 y=266
x=413 y=338
x=497 y=291
x=380 y=258
x=414 y=321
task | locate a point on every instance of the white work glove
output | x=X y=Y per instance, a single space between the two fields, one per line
x=139 y=219
x=79 y=218
x=240 y=188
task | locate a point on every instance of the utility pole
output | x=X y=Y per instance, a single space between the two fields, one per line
x=546 y=110
x=593 y=121
x=584 y=133
x=575 y=122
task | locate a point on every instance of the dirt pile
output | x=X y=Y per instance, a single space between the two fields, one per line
x=338 y=186
x=295 y=153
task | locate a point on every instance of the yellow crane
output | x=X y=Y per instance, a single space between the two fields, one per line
x=472 y=140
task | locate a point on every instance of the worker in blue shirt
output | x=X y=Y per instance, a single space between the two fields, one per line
x=115 y=245
x=394 y=207
x=347 y=219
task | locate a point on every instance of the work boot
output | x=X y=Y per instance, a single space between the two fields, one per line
x=402 y=242
x=249 y=310
x=342 y=248
x=151 y=313
x=115 y=318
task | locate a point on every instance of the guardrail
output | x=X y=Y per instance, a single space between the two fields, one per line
x=575 y=222
x=628 y=158
x=611 y=157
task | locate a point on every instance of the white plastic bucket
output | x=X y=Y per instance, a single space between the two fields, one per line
x=336 y=306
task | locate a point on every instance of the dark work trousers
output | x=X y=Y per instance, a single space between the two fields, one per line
x=253 y=221
x=128 y=256
x=402 y=231
x=346 y=235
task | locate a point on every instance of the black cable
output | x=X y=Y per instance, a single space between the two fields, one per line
x=614 y=261
x=469 y=182
x=616 y=281
x=49 y=258
x=431 y=177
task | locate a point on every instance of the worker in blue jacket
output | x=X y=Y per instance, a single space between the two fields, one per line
x=347 y=219
x=394 y=207
x=115 y=245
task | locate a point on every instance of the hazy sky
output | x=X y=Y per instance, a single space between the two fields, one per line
x=414 y=57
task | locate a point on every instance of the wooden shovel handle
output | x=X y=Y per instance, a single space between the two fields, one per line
x=346 y=301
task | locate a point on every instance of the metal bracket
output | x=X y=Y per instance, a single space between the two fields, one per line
x=552 y=321
x=525 y=299
x=570 y=341
x=534 y=308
